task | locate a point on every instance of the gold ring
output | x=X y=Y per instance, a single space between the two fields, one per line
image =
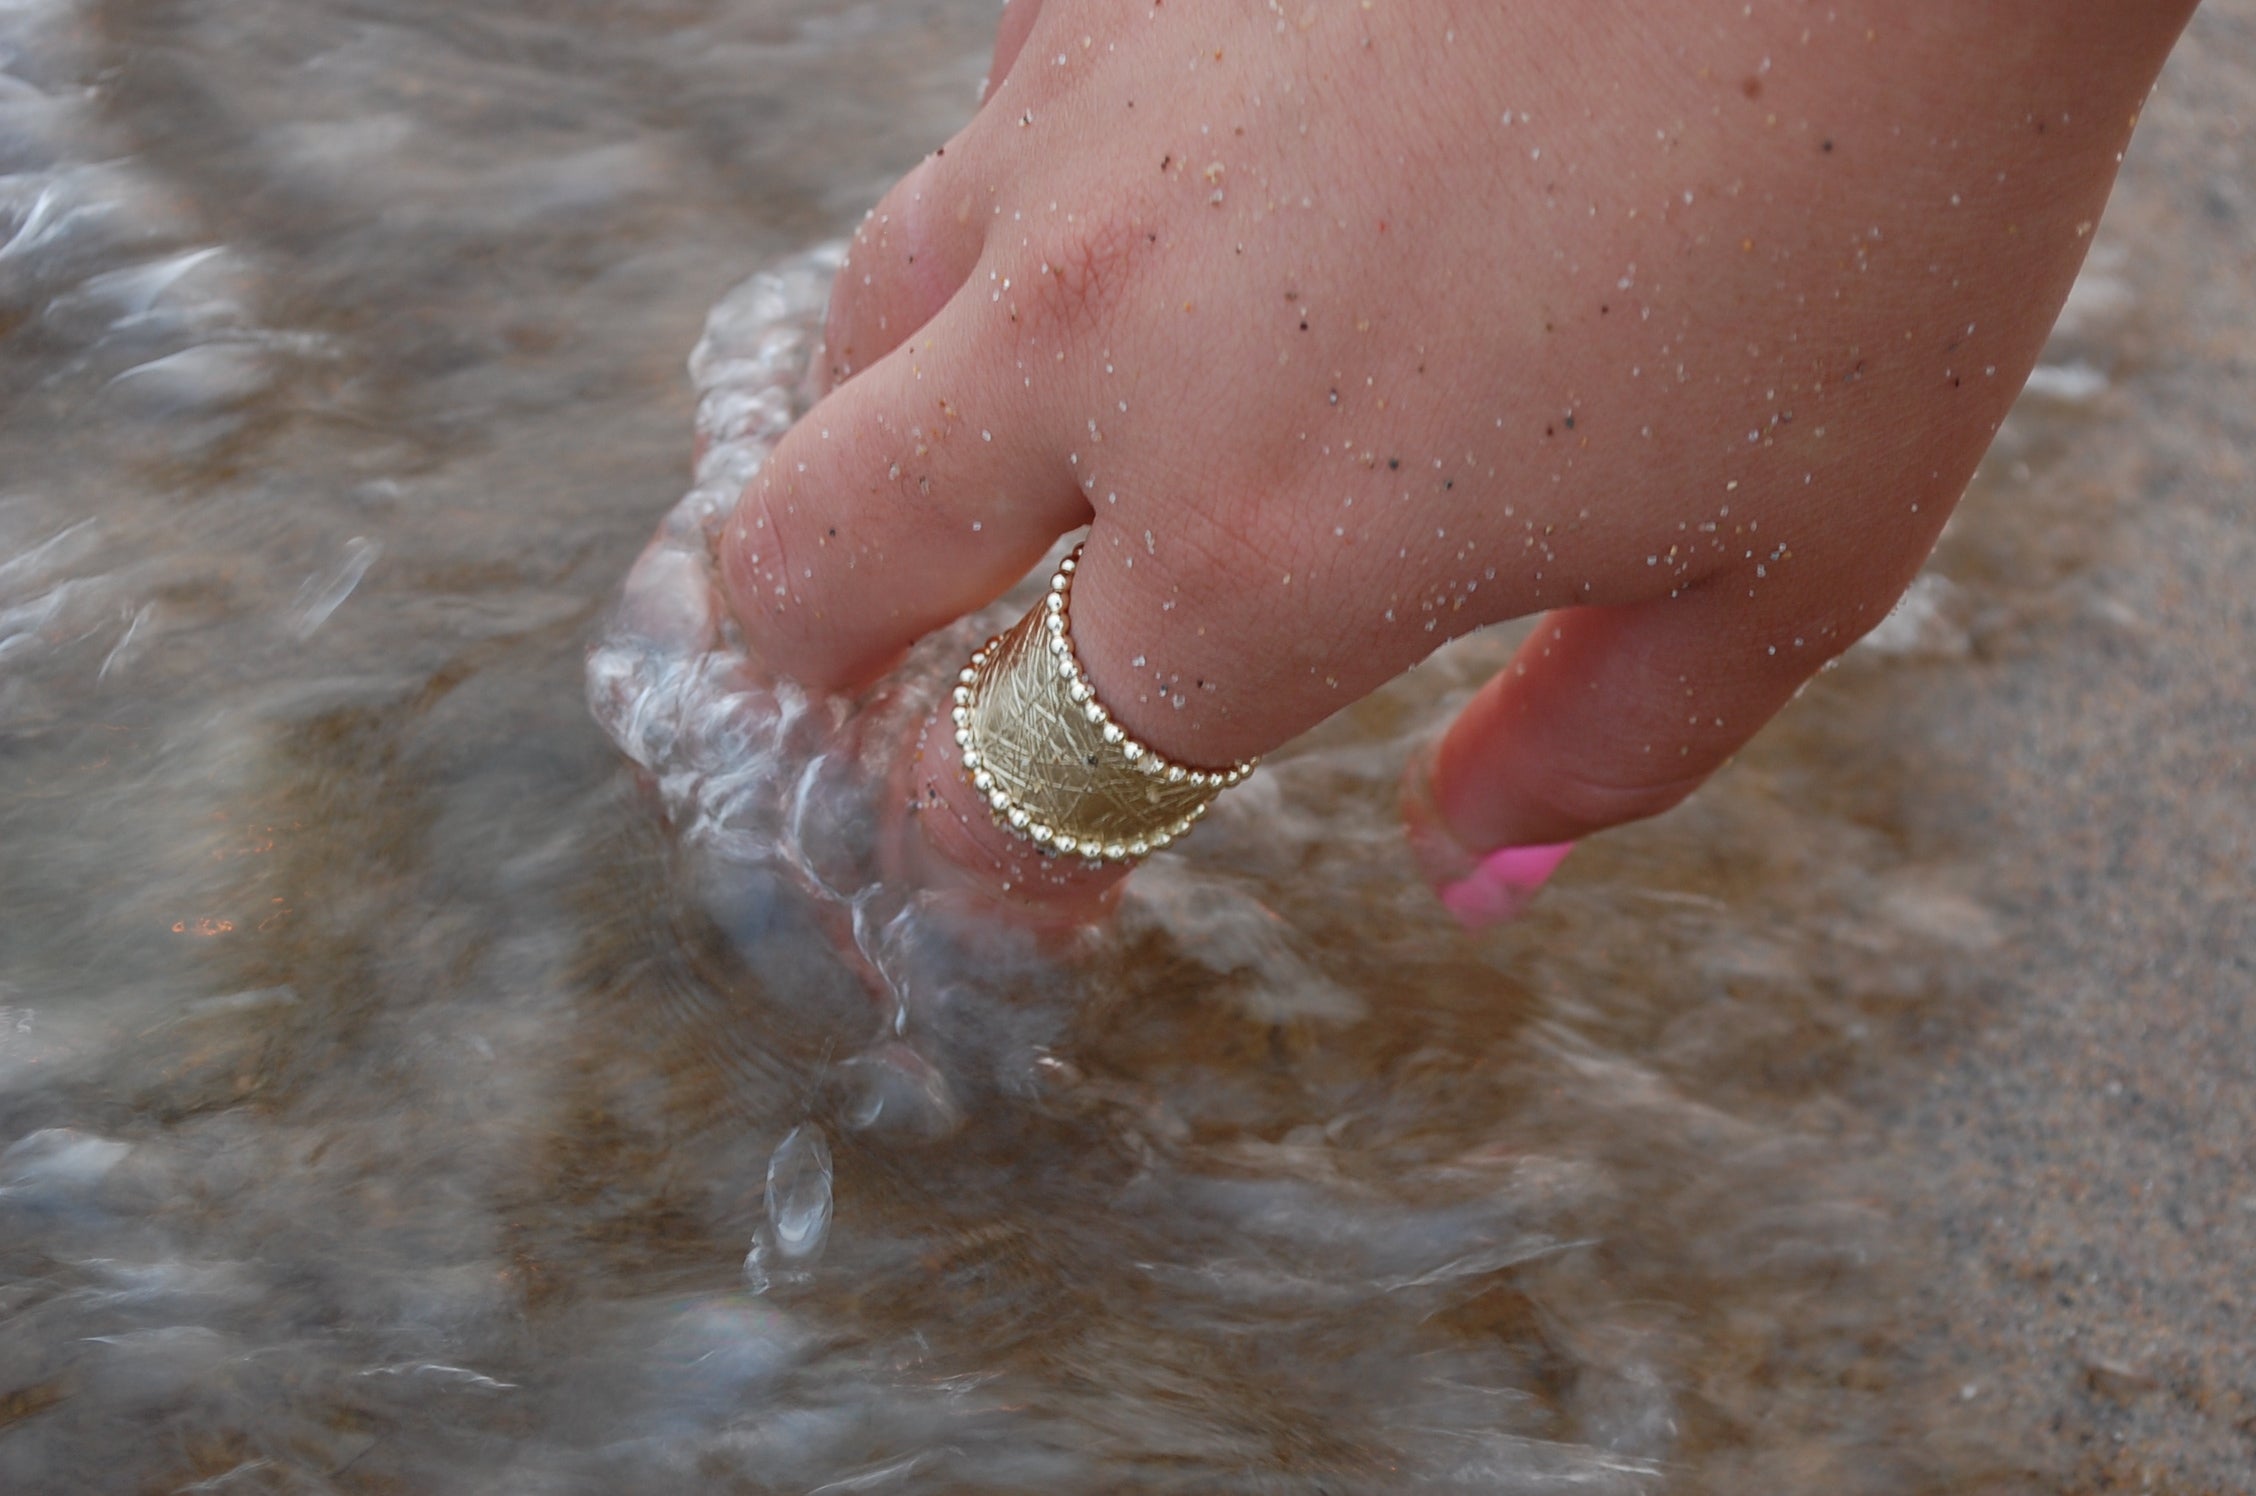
x=1055 y=768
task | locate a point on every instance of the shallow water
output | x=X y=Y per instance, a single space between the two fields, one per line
x=401 y=1090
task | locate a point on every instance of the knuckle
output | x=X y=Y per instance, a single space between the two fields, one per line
x=902 y=265
x=1593 y=794
x=1073 y=284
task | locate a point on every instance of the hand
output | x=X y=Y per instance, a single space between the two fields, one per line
x=1348 y=326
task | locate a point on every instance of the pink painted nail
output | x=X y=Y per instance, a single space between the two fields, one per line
x=1481 y=889
x=1501 y=885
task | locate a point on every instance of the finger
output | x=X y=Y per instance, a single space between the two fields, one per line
x=1605 y=716
x=1197 y=650
x=919 y=244
x=1011 y=33
x=909 y=496
x=908 y=257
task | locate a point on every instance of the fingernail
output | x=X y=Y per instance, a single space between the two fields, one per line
x=1479 y=888
x=1502 y=884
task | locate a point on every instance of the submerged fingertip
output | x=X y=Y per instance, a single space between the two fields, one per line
x=1479 y=888
x=1502 y=885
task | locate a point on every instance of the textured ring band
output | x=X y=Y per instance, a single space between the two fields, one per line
x=1054 y=767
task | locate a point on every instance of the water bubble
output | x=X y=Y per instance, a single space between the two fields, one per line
x=790 y=1241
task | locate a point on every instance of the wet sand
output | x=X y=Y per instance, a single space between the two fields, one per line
x=2077 y=1144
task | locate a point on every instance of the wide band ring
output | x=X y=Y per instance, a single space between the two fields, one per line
x=1055 y=768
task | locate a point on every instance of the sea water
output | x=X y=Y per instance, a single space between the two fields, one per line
x=409 y=1082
